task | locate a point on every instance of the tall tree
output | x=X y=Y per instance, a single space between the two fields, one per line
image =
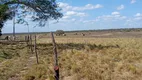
x=39 y=11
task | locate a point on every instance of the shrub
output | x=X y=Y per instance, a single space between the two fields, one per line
x=59 y=32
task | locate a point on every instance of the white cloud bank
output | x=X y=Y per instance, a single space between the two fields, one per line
x=138 y=16
x=76 y=16
x=115 y=13
x=133 y=1
x=113 y=17
x=67 y=7
x=120 y=7
x=73 y=13
x=70 y=14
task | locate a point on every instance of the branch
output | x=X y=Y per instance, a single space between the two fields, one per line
x=24 y=3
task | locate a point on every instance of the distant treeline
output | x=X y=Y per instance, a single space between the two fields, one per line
x=111 y=30
x=99 y=30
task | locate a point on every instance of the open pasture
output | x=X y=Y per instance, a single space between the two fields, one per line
x=80 y=58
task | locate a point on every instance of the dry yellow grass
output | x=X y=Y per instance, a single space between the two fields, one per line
x=121 y=60
x=123 y=63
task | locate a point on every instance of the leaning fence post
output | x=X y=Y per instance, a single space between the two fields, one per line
x=56 y=67
x=35 y=49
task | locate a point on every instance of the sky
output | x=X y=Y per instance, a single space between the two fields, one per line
x=89 y=15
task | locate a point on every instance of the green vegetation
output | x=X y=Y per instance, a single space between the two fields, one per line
x=59 y=32
x=3 y=15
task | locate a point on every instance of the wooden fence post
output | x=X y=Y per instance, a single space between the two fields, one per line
x=35 y=49
x=56 y=67
x=27 y=42
x=30 y=43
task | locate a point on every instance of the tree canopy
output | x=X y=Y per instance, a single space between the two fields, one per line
x=59 y=32
x=38 y=10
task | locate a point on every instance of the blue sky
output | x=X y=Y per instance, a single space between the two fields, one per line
x=90 y=14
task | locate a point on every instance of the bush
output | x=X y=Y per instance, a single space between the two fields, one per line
x=59 y=32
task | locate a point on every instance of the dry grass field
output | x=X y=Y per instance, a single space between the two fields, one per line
x=80 y=58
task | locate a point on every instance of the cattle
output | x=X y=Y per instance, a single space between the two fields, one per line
x=64 y=34
x=83 y=34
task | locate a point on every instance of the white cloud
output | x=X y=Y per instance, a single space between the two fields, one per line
x=63 y=4
x=115 y=13
x=120 y=7
x=66 y=17
x=89 y=21
x=69 y=13
x=73 y=13
x=73 y=19
x=133 y=22
x=133 y=1
x=88 y=7
x=76 y=15
x=67 y=7
x=138 y=16
x=113 y=17
x=72 y=16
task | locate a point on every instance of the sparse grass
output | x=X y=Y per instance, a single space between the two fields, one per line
x=79 y=59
